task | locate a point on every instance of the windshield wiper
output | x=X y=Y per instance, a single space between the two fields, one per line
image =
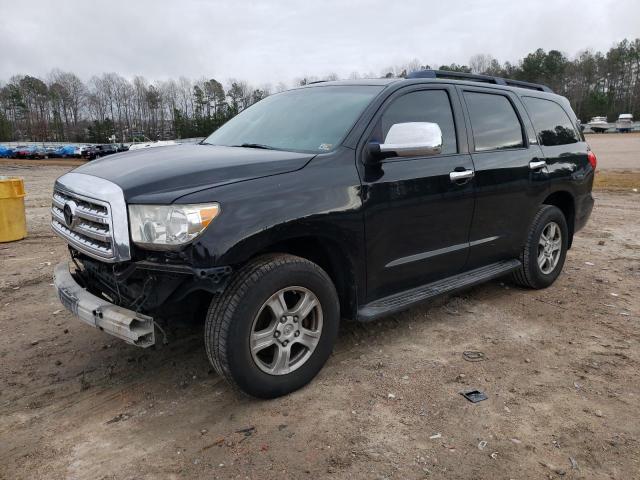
x=255 y=145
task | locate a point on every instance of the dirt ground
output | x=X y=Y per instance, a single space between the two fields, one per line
x=561 y=371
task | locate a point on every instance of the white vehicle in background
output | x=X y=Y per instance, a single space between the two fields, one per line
x=77 y=151
x=599 y=124
x=159 y=143
x=624 y=123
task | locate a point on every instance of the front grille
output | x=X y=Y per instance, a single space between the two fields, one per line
x=91 y=231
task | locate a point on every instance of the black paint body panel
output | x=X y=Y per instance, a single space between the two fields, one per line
x=164 y=174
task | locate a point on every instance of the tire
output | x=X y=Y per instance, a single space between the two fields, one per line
x=532 y=274
x=235 y=317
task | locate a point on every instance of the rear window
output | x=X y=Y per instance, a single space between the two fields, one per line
x=494 y=122
x=551 y=122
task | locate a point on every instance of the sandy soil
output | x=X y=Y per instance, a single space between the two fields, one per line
x=561 y=371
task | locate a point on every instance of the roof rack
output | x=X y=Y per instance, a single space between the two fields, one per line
x=472 y=77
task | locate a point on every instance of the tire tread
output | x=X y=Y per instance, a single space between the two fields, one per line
x=221 y=311
x=523 y=276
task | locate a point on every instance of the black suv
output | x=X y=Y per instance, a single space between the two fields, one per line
x=348 y=199
x=106 y=149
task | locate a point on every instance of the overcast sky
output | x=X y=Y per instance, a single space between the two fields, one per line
x=283 y=40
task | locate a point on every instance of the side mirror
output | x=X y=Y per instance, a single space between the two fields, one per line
x=412 y=139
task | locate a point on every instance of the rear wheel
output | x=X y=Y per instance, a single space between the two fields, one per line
x=545 y=250
x=274 y=326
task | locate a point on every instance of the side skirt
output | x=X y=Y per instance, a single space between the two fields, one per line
x=409 y=298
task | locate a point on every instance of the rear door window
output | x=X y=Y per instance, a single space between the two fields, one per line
x=494 y=122
x=423 y=106
x=551 y=122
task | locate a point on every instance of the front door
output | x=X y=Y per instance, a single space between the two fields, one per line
x=417 y=217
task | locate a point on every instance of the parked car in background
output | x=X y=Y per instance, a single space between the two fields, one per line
x=624 y=123
x=353 y=199
x=6 y=152
x=30 y=151
x=66 y=151
x=52 y=152
x=38 y=152
x=22 y=151
x=85 y=151
x=90 y=152
x=123 y=148
x=106 y=149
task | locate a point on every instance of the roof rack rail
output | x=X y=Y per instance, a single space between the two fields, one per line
x=472 y=77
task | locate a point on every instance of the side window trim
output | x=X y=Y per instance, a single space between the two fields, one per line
x=457 y=109
x=510 y=98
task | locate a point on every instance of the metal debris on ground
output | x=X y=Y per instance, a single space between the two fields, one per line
x=247 y=431
x=474 y=396
x=482 y=444
x=118 y=418
x=473 y=356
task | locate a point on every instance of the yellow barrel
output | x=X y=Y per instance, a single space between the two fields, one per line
x=13 y=224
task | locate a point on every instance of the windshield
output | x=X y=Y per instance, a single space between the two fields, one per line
x=310 y=120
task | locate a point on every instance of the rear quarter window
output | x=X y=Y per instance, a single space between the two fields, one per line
x=552 y=124
x=494 y=122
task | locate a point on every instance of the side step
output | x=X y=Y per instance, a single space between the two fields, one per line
x=403 y=300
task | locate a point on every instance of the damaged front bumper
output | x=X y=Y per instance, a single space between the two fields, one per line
x=132 y=327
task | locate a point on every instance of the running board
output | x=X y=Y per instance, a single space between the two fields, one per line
x=403 y=300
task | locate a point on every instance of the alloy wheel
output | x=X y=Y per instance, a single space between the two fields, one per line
x=286 y=330
x=549 y=247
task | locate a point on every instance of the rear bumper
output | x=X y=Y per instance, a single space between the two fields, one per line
x=130 y=326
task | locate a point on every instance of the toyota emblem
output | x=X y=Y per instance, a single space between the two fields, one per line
x=69 y=212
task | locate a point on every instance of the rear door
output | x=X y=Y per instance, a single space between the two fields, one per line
x=564 y=149
x=416 y=217
x=510 y=174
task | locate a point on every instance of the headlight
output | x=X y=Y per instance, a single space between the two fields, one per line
x=162 y=227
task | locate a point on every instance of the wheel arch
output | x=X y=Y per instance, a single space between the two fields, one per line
x=329 y=255
x=565 y=201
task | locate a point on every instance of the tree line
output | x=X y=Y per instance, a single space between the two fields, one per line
x=62 y=107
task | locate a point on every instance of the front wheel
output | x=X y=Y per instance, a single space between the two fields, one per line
x=545 y=250
x=274 y=326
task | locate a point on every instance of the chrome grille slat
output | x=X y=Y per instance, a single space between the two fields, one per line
x=87 y=229
x=91 y=233
x=82 y=210
x=90 y=207
x=81 y=243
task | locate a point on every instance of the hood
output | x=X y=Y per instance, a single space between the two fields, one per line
x=163 y=174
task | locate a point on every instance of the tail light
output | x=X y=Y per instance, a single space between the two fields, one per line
x=592 y=159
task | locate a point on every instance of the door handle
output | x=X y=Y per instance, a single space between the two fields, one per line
x=537 y=164
x=456 y=176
